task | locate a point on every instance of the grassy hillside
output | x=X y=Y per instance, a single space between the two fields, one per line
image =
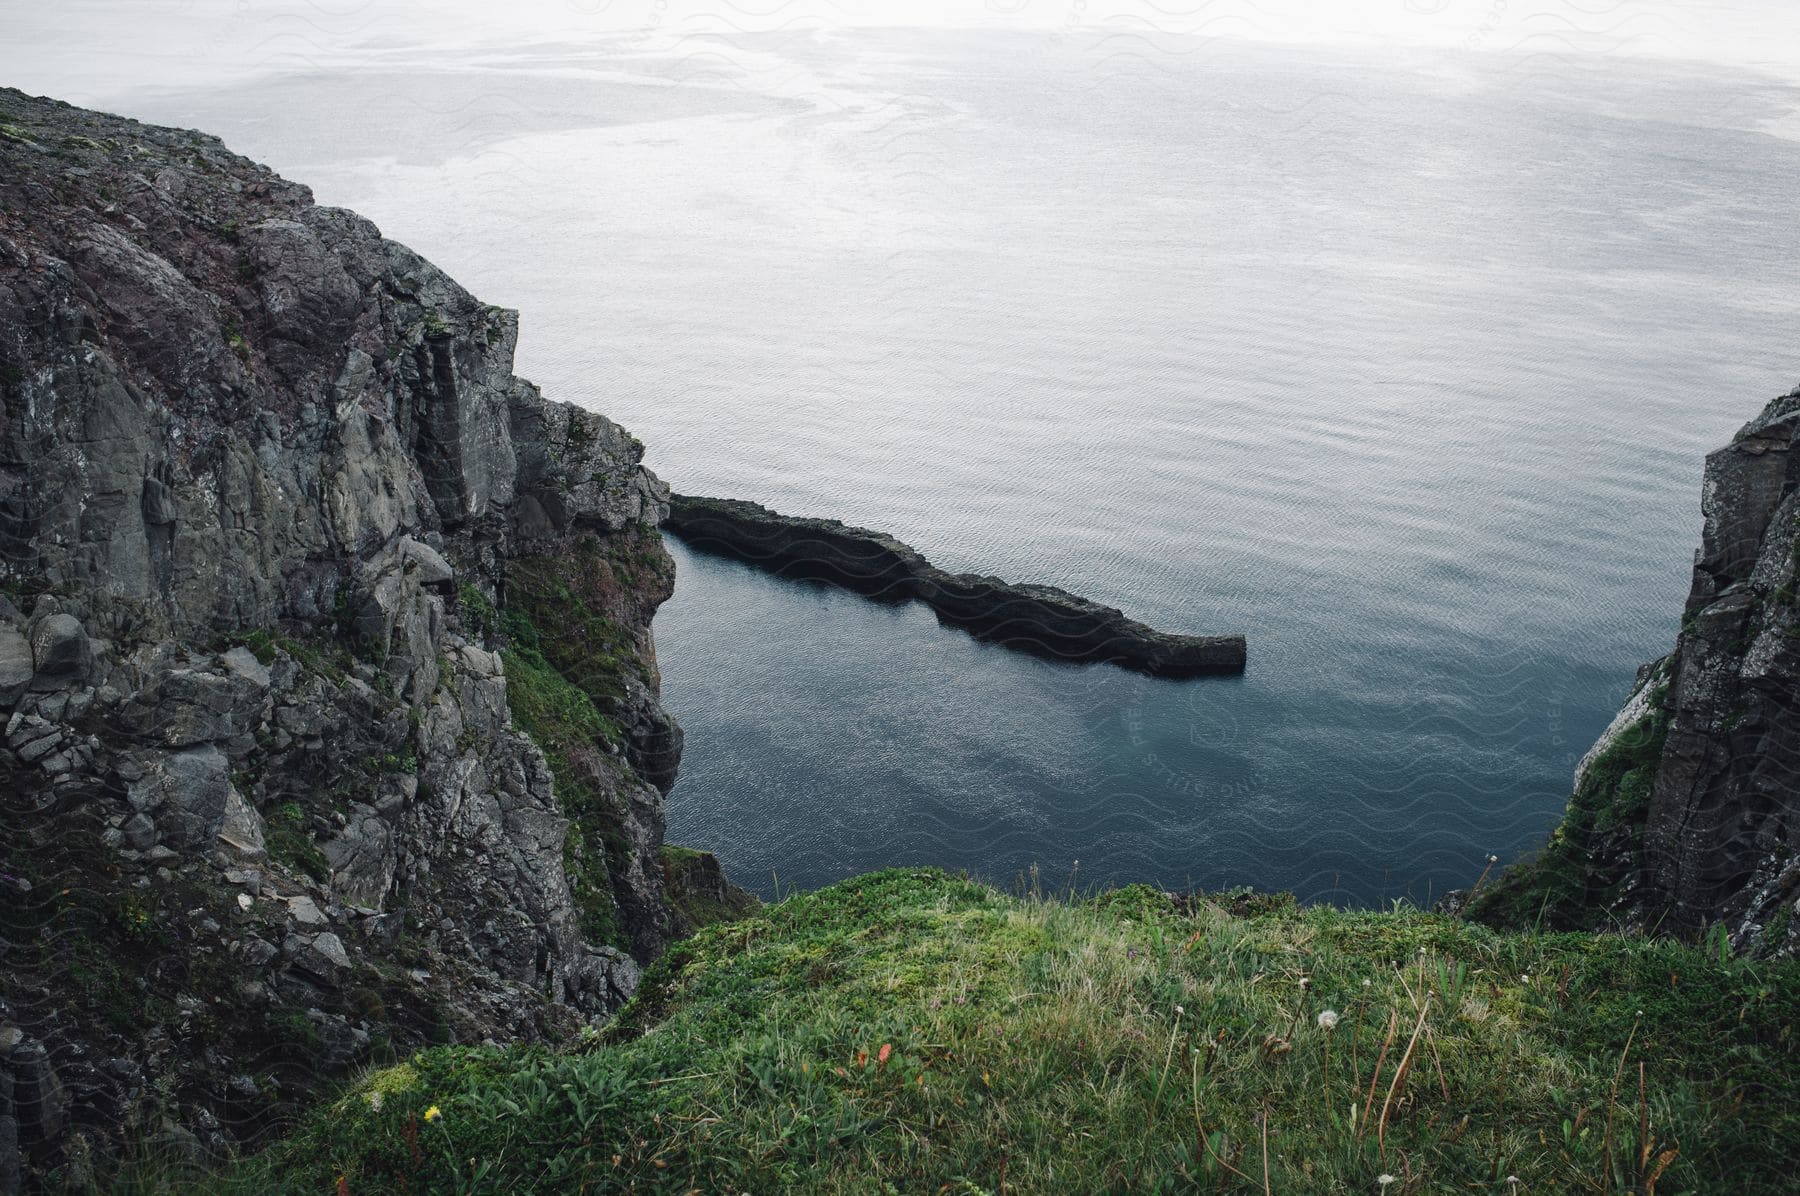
x=908 y=1031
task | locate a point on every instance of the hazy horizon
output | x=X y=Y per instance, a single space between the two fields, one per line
x=86 y=51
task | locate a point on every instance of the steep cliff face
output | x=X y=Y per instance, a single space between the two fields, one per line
x=291 y=564
x=1686 y=814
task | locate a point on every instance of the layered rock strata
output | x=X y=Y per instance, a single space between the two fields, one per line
x=1042 y=620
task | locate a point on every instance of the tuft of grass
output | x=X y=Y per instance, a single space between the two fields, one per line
x=910 y=1031
x=566 y=670
x=697 y=890
x=290 y=841
x=328 y=659
x=477 y=612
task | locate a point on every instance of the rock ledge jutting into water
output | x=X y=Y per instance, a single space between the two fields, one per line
x=1041 y=620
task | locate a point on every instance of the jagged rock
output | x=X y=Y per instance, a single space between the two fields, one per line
x=305 y=911
x=188 y=790
x=139 y=832
x=1726 y=797
x=241 y=832
x=1701 y=832
x=425 y=563
x=185 y=706
x=242 y=666
x=59 y=647
x=700 y=892
x=321 y=955
x=363 y=858
x=39 y=1101
x=257 y=951
x=254 y=461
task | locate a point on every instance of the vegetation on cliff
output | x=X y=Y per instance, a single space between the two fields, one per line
x=909 y=1031
x=1564 y=886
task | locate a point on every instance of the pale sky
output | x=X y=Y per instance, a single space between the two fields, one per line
x=87 y=50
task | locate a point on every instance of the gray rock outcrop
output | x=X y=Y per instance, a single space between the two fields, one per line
x=1041 y=620
x=1686 y=814
x=329 y=691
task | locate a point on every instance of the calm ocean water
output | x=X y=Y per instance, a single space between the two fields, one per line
x=1402 y=365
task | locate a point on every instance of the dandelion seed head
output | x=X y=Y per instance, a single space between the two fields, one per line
x=1384 y=1179
x=1328 y=1019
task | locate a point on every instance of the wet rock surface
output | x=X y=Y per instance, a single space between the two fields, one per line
x=272 y=809
x=1041 y=620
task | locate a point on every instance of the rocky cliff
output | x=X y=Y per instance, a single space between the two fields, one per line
x=1686 y=814
x=330 y=698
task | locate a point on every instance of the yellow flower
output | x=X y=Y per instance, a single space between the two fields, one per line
x=433 y=1113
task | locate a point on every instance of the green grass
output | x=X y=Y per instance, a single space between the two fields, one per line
x=544 y=617
x=290 y=842
x=696 y=889
x=566 y=665
x=327 y=659
x=907 y=1031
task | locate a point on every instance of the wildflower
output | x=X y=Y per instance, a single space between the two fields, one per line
x=887 y=1048
x=433 y=1113
x=1493 y=859
x=1385 y=1179
x=1328 y=1019
x=1304 y=982
x=1179 y=1011
x=1366 y=983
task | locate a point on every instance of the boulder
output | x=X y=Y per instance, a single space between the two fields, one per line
x=305 y=911
x=427 y=566
x=189 y=791
x=241 y=833
x=60 y=648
